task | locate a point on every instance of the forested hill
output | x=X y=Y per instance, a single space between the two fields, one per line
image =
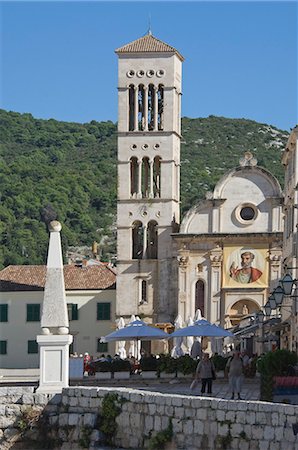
x=72 y=167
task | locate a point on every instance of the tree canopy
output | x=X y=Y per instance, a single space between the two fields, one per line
x=73 y=168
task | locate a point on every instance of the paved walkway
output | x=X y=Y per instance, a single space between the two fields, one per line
x=220 y=389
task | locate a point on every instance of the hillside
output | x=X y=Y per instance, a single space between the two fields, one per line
x=72 y=167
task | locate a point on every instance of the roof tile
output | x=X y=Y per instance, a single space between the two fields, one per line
x=147 y=44
x=32 y=278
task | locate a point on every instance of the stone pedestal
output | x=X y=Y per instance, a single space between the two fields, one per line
x=54 y=362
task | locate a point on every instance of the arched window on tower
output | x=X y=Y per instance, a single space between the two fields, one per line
x=200 y=296
x=151 y=107
x=131 y=100
x=134 y=176
x=156 y=177
x=145 y=177
x=137 y=240
x=160 y=100
x=152 y=240
x=144 y=295
x=141 y=99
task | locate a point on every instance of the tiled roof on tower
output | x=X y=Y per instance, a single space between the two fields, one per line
x=148 y=44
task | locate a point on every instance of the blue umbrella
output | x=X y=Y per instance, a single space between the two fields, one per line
x=136 y=330
x=202 y=328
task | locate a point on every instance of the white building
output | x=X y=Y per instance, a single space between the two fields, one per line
x=91 y=298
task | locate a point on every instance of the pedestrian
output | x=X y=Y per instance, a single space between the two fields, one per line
x=235 y=371
x=206 y=371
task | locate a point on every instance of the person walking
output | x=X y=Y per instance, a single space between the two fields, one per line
x=235 y=371
x=206 y=371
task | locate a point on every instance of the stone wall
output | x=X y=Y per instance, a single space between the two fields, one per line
x=72 y=420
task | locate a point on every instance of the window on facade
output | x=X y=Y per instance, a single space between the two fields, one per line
x=3 y=313
x=156 y=177
x=144 y=298
x=141 y=101
x=152 y=238
x=151 y=101
x=3 y=347
x=73 y=311
x=160 y=106
x=199 y=297
x=131 y=95
x=134 y=176
x=145 y=177
x=137 y=240
x=33 y=312
x=247 y=213
x=32 y=347
x=103 y=311
x=102 y=347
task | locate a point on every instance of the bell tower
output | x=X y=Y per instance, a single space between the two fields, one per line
x=149 y=128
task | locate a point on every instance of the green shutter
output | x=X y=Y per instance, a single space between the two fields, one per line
x=33 y=312
x=102 y=347
x=74 y=311
x=3 y=313
x=3 y=347
x=103 y=311
x=32 y=347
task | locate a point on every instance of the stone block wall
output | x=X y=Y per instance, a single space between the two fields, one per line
x=72 y=420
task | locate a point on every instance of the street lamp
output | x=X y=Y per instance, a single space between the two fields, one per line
x=278 y=295
x=287 y=284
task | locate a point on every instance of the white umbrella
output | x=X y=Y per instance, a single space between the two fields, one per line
x=198 y=315
x=189 y=339
x=121 y=344
x=177 y=350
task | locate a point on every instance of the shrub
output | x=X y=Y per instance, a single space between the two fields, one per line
x=219 y=362
x=148 y=363
x=186 y=364
x=121 y=365
x=167 y=364
x=273 y=364
x=102 y=366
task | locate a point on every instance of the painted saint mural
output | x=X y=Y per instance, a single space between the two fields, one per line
x=245 y=266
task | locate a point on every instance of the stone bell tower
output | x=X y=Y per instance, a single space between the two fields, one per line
x=149 y=127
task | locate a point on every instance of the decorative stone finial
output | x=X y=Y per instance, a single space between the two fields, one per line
x=55 y=226
x=248 y=160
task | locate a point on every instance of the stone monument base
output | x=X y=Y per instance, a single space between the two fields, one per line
x=54 y=362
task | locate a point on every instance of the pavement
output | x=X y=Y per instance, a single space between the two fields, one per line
x=220 y=387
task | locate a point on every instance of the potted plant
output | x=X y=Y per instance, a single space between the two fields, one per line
x=103 y=370
x=186 y=366
x=121 y=368
x=148 y=366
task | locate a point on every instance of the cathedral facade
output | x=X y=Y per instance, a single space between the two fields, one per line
x=225 y=255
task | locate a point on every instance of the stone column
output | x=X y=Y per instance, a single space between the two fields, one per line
x=155 y=108
x=215 y=284
x=183 y=261
x=139 y=195
x=151 y=167
x=136 y=111
x=55 y=339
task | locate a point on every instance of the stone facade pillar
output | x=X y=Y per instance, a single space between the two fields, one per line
x=214 y=312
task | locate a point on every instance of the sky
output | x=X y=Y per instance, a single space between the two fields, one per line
x=58 y=59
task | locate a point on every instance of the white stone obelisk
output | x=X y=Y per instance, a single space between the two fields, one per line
x=55 y=338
